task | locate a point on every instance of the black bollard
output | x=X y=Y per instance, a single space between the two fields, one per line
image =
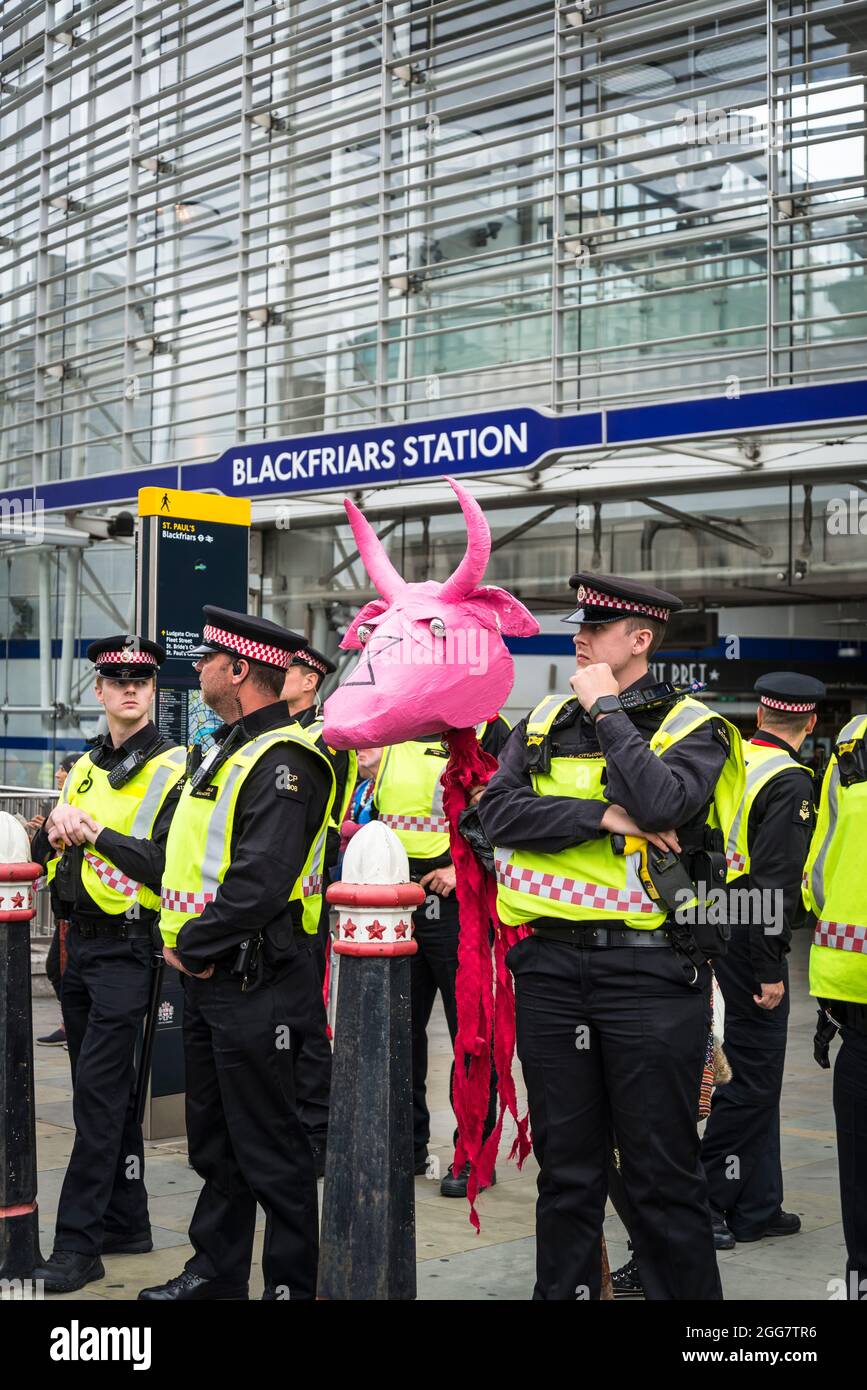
x=19 y=1217
x=368 y=1211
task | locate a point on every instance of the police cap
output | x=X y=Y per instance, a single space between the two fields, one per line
x=606 y=598
x=126 y=655
x=789 y=691
x=316 y=661
x=240 y=634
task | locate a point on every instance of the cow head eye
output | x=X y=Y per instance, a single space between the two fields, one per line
x=437 y=627
x=363 y=633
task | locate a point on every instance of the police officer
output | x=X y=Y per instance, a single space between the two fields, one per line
x=408 y=797
x=248 y=834
x=111 y=824
x=307 y=670
x=836 y=891
x=768 y=844
x=612 y=1021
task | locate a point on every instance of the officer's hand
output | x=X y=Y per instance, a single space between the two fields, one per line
x=173 y=959
x=770 y=995
x=617 y=821
x=66 y=825
x=595 y=680
x=440 y=881
x=93 y=831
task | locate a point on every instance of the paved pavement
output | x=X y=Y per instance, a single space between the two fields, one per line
x=454 y=1262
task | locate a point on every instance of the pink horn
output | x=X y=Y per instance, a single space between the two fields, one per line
x=385 y=577
x=470 y=571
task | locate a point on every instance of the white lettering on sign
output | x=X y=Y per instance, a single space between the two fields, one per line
x=372 y=455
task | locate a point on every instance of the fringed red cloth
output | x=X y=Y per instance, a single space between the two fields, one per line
x=483 y=988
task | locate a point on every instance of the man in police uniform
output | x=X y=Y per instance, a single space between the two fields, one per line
x=836 y=891
x=248 y=834
x=307 y=670
x=111 y=825
x=408 y=797
x=612 y=1022
x=769 y=841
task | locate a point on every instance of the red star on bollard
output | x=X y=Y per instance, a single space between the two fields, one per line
x=375 y=930
x=18 y=900
x=401 y=929
x=349 y=928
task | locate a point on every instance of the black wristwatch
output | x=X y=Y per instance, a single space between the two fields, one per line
x=606 y=704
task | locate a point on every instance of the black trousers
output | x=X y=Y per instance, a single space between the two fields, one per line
x=741 y=1145
x=434 y=968
x=104 y=997
x=614 y=1039
x=244 y=1135
x=313 y=1057
x=850 y=1112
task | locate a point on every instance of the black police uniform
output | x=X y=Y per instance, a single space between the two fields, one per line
x=647 y=1009
x=244 y=1135
x=104 y=996
x=744 y=1121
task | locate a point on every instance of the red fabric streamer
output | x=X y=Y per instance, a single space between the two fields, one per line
x=483 y=988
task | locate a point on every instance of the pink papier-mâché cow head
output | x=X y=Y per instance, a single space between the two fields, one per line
x=432 y=655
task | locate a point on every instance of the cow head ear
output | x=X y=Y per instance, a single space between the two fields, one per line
x=375 y=609
x=505 y=612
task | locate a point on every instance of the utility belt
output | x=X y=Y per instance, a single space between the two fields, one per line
x=586 y=934
x=93 y=926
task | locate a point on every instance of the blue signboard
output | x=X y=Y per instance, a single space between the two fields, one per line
x=487 y=442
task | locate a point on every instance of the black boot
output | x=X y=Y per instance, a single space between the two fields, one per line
x=192 y=1288
x=455 y=1184
x=626 y=1282
x=67 y=1271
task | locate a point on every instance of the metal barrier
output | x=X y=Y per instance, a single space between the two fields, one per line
x=28 y=802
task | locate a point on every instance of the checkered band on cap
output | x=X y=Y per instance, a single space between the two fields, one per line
x=128 y=657
x=807 y=708
x=244 y=646
x=304 y=658
x=625 y=605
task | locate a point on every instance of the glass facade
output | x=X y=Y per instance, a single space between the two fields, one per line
x=234 y=220
x=228 y=221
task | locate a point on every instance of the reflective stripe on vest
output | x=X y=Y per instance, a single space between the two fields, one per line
x=816 y=875
x=437 y=824
x=111 y=876
x=192 y=903
x=578 y=894
x=844 y=936
x=759 y=772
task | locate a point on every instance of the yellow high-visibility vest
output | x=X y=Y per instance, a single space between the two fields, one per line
x=589 y=882
x=763 y=763
x=835 y=880
x=129 y=810
x=199 y=847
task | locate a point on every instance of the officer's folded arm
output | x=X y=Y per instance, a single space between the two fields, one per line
x=512 y=813
x=273 y=829
x=660 y=793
